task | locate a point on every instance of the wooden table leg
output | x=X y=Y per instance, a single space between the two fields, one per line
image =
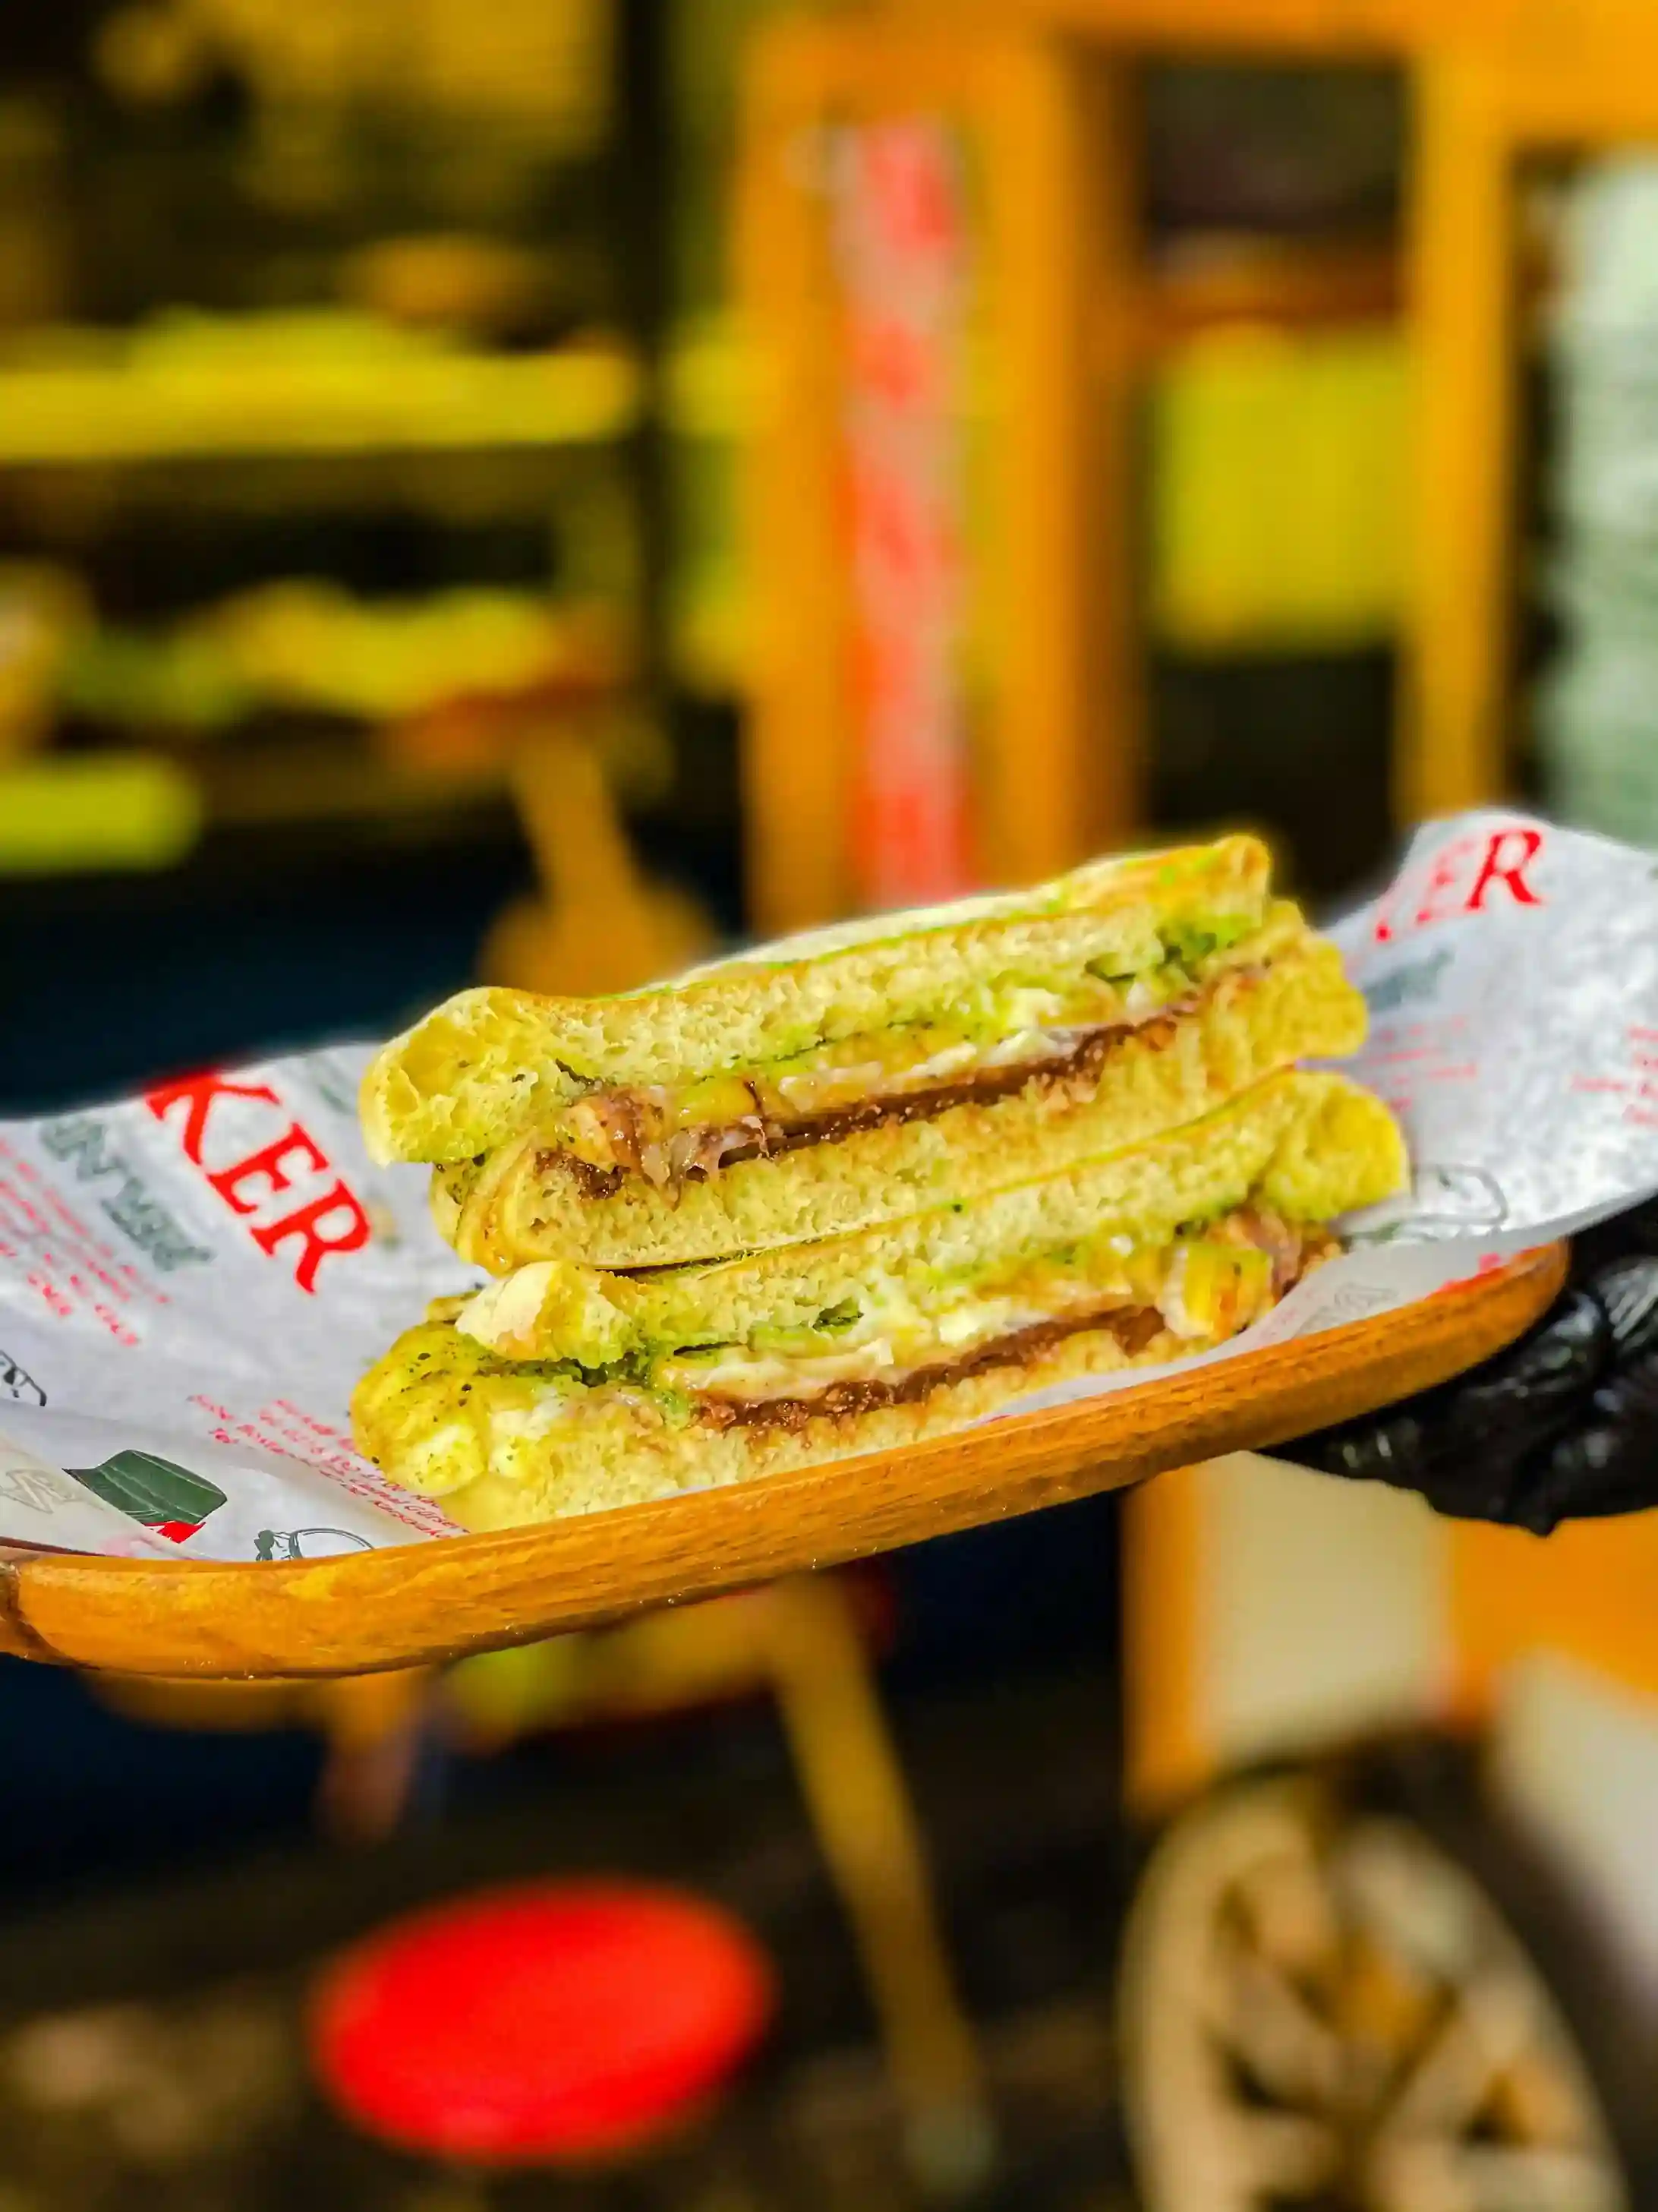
x=854 y=1790
x=371 y=1726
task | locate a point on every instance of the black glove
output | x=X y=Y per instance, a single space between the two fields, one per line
x=1561 y=1426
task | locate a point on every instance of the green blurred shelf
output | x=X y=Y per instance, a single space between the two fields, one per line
x=143 y=811
x=58 y=415
x=118 y=811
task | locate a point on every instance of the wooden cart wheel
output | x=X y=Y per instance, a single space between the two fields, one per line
x=1321 y=2007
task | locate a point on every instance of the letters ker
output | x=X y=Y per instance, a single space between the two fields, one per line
x=328 y=1216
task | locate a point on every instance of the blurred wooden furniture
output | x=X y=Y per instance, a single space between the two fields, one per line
x=423 y=1602
x=1040 y=93
x=371 y=1727
x=594 y=922
x=802 y=1641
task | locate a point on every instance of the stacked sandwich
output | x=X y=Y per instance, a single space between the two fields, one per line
x=861 y=1188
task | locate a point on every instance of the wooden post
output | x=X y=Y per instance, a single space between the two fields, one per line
x=1167 y=1750
x=1063 y=777
x=1050 y=154
x=1450 y=751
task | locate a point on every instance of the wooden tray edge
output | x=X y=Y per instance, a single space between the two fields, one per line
x=434 y=1601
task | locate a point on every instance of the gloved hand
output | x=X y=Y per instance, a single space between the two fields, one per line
x=1561 y=1426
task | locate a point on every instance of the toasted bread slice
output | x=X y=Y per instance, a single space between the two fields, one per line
x=489 y=1064
x=501 y=1446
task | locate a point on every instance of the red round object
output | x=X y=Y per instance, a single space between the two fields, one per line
x=558 y=2023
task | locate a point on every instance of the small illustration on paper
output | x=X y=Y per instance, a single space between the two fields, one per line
x=307 y=1543
x=1441 y=1202
x=156 y=1492
x=16 y=1382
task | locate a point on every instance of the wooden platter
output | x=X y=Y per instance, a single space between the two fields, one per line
x=437 y=1600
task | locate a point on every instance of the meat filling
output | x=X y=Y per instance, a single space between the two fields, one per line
x=633 y=1122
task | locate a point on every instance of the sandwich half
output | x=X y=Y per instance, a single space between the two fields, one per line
x=564 y=1387
x=832 y=1082
x=536 y=1198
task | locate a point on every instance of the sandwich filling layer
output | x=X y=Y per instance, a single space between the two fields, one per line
x=442 y=1412
x=662 y=1135
x=1236 y=1293
x=905 y=1335
x=672 y=1134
